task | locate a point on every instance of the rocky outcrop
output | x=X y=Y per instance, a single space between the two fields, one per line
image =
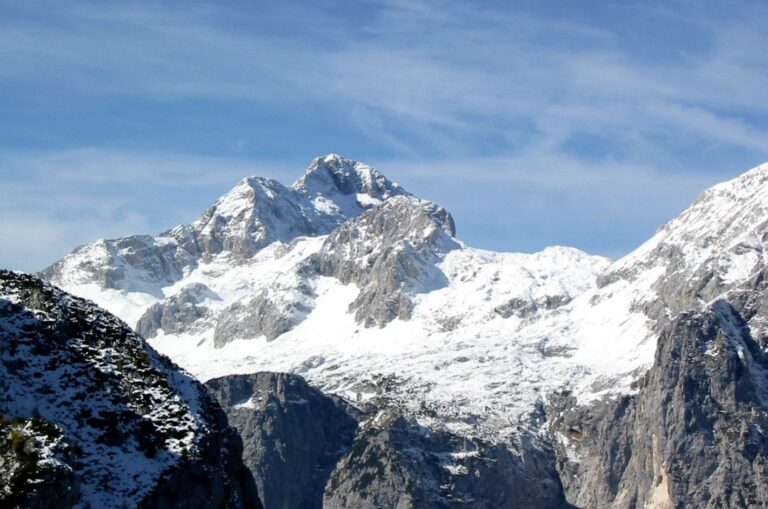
x=272 y=312
x=710 y=248
x=695 y=433
x=306 y=451
x=92 y=416
x=395 y=462
x=390 y=252
x=293 y=434
x=178 y=313
x=256 y=213
x=343 y=188
x=524 y=308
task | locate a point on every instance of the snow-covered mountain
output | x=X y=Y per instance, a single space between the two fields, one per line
x=364 y=289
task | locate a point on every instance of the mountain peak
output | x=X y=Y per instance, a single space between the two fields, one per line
x=333 y=175
x=255 y=213
x=244 y=196
x=716 y=244
x=746 y=188
x=342 y=188
x=732 y=215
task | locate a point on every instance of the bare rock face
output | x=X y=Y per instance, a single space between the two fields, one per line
x=528 y=307
x=176 y=313
x=395 y=462
x=92 y=416
x=307 y=450
x=293 y=434
x=257 y=212
x=343 y=188
x=390 y=252
x=711 y=248
x=270 y=313
x=695 y=434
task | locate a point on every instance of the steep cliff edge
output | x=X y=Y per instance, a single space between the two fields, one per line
x=293 y=434
x=309 y=450
x=694 y=435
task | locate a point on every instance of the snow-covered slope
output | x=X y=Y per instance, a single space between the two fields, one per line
x=90 y=416
x=372 y=296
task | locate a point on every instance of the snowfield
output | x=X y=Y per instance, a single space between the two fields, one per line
x=486 y=341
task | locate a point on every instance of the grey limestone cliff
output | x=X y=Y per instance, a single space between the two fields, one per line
x=271 y=312
x=395 y=462
x=389 y=252
x=309 y=450
x=177 y=313
x=293 y=434
x=695 y=433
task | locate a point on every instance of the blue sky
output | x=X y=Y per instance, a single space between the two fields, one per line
x=535 y=123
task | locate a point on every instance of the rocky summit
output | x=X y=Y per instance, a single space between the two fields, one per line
x=368 y=355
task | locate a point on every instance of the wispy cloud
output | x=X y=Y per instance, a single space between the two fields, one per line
x=564 y=76
x=112 y=111
x=120 y=167
x=434 y=65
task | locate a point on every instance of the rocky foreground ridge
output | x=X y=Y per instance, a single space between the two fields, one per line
x=91 y=416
